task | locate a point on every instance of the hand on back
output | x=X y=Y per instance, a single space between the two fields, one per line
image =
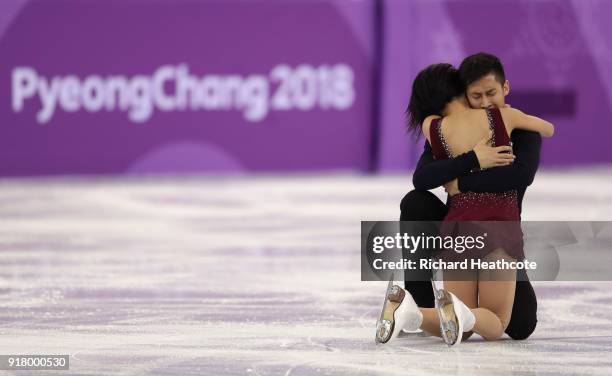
x=489 y=156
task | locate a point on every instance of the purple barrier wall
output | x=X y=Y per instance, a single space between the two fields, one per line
x=557 y=56
x=131 y=86
x=127 y=86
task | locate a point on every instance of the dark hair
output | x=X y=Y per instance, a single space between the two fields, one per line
x=475 y=67
x=433 y=88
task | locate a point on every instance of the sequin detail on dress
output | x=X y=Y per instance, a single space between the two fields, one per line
x=491 y=125
x=487 y=209
x=449 y=154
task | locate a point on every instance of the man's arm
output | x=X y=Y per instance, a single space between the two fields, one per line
x=520 y=174
x=430 y=173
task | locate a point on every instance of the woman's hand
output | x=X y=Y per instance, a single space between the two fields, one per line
x=493 y=156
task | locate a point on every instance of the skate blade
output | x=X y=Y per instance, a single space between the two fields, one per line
x=449 y=322
x=386 y=323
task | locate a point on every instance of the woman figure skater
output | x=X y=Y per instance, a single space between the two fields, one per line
x=469 y=302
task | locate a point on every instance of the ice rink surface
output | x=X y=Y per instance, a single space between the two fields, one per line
x=256 y=276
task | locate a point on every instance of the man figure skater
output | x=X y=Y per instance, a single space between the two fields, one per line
x=486 y=84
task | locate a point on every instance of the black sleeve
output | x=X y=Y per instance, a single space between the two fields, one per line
x=430 y=173
x=526 y=146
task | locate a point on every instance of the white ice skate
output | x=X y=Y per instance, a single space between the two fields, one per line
x=455 y=316
x=399 y=312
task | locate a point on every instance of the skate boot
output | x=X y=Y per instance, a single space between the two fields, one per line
x=399 y=312
x=455 y=316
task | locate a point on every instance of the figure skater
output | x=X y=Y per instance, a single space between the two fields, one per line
x=486 y=86
x=467 y=303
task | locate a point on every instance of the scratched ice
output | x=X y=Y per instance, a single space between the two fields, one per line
x=255 y=276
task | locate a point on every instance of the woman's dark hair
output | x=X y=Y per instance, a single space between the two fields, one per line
x=433 y=88
x=475 y=67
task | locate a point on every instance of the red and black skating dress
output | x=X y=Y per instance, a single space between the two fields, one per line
x=480 y=206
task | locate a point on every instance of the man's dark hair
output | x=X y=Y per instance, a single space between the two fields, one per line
x=433 y=88
x=475 y=67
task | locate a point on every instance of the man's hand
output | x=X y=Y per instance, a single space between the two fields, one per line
x=493 y=156
x=452 y=187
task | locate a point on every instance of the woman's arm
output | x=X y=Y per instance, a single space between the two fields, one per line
x=517 y=119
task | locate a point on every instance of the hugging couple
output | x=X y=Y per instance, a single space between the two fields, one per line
x=485 y=153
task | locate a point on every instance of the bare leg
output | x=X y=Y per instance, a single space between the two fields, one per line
x=496 y=297
x=431 y=321
x=490 y=297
